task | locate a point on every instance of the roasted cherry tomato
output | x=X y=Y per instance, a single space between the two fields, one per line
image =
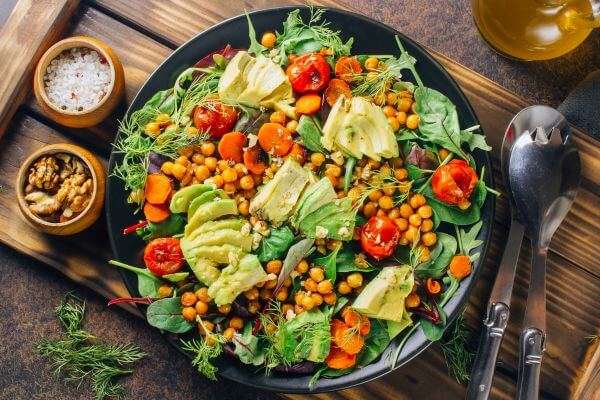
x=164 y=256
x=379 y=236
x=215 y=118
x=454 y=182
x=309 y=73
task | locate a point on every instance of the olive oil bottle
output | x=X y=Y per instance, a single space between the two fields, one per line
x=535 y=29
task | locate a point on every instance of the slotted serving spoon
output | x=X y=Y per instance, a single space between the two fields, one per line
x=544 y=175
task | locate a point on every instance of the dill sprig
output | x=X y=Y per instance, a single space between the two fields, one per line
x=83 y=356
x=200 y=90
x=459 y=349
x=378 y=81
x=329 y=38
x=381 y=180
x=205 y=350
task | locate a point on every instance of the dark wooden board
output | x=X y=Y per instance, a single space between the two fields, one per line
x=573 y=273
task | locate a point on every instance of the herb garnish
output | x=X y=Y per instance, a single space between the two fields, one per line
x=82 y=355
x=205 y=350
x=459 y=349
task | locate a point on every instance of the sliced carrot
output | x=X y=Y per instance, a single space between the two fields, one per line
x=157 y=189
x=156 y=212
x=308 y=104
x=275 y=139
x=460 y=266
x=357 y=321
x=298 y=153
x=346 y=338
x=255 y=160
x=347 y=67
x=337 y=88
x=231 y=146
x=339 y=359
x=433 y=286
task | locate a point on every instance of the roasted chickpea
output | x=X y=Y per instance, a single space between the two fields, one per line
x=224 y=309
x=201 y=307
x=317 y=274
x=302 y=267
x=244 y=207
x=211 y=163
x=298 y=309
x=218 y=181
x=425 y=254
x=400 y=174
x=443 y=153
x=393 y=123
x=271 y=284
x=203 y=295
x=278 y=117
x=406 y=210
x=292 y=126
x=330 y=298
x=251 y=294
x=229 y=188
x=268 y=40
x=188 y=299
x=411 y=233
x=386 y=202
x=381 y=213
x=370 y=209
x=265 y=294
x=325 y=287
x=417 y=200
x=253 y=306
x=401 y=117
x=317 y=299
x=464 y=204
x=355 y=280
x=333 y=170
x=317 y=159
x=165 y=291
x=343 y=288
x=425 y=211
x=274 y=267
x=283 y=294
x=236 y=323
x=246 y=182
x=198 y=158
x=191 y=131
x=401 y=223
x=426 y=225
x=391 y=98
x=412 y=121
x=404 y=105
x=389 y=111
x=167 y=167
x=228 y=334
x=429 y=238
x=379 y=98
x=394 y=213
x=189 y=313
x=178 y=171
x=375 y=195
x=308 y=303
x=287 y=282
x=299 y=296
x=371 y=63
x=413 y=300
x=202 y=173
x=310 y=285
x=152 y=129
x=207 y=149
x=415 y=220
x=286 y=308
x=208 y=326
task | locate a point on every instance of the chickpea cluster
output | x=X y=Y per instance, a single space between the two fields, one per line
x=262 y=292
x=317 y=289
x=163 y=124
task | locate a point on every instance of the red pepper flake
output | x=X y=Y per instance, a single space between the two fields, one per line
x=73 y=95
x=102 y=60
x=78 y=74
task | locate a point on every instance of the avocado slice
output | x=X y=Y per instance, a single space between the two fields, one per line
x=205 y=198
x=212 y=226
x=236 y=279
x=206 y=270
x=276 y=200
x=219 y=237
x=231 y=83
x=348 y=141
x=209 y=211
x=218 y=253
x=182 y=199
x=384 y=296
x=314 y=197
x=334 y=123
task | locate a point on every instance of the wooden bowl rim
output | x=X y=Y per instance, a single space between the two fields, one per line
x=67 y=44
x=71 y=149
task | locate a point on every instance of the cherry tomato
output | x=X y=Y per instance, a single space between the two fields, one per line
x=215 y=118
x=454 y=182
x=379 y=236
x=309 y=73
x=164 y=256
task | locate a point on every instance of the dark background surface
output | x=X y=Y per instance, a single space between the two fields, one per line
x=31 y=290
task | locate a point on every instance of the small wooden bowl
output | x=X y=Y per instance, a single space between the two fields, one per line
x=93 y=210
x=91 y=116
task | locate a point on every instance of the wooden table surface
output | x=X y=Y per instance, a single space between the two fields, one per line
x=143 y=33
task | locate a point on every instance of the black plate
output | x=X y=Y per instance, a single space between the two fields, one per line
x=370 y=37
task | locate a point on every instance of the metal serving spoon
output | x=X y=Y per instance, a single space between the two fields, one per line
x=498 y=308
x=544 y=175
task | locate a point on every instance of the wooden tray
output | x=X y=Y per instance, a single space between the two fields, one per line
x=136 y=31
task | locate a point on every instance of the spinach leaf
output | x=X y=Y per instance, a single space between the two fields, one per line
x=275 y=246
x=395 y=328
x=450 y=213
x=165 y=314
x=346 y=261
x=438 y=119
x=376 y=342
x=479 y=193
x=440 y=258
x=309 y=131
x=250 y=119
x=329 y=264
x=148 y=283
x=350 y=163
x=247 y=347
x=339 y=304
x=434 y=332
x=171 y=226
x=294 y=255
x=176 y=277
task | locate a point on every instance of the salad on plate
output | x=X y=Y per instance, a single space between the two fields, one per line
x=304 y=206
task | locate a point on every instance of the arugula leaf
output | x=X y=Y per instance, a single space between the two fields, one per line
x=434 y=332
x=276 y=245
x=438 y=119
x=247 y=347
x=329 y=264
x=171 y=226
x=468 y=240
x=255 y=47
x=166 y=314
x=473 y=140
x=294 y=255
x=309 y=131
x=440 y=257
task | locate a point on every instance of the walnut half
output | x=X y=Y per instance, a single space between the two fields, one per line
x=45 y=173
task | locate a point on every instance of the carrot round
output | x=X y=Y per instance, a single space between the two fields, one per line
x=346 y=338
x=275 y=139
x=255 y=160
x=231 y=146
x=339 y=359
x=308 y=104
x=359 y=322
x=337 y=88
x=460 y=266
x=347 y=67
x=298 y=153
x=157 y=189
x=156 y=212
x=433 y=286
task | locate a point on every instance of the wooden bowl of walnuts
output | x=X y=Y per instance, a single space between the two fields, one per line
x=60 y=189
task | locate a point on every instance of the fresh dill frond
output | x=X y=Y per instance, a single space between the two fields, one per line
x=272 y=317
x=377 y=82
x=383 y=180
x=83 y=356
x=328 y=38
x=458 y=346
x=205 y=350
x=200 y=90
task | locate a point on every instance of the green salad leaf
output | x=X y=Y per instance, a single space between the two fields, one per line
x=148 y=283
x=440 y=257
x=329 y=264
x=434 y=332
x=248 y=348
x=294 y=255
x=171 y=226
x=376 y=342
x=305 y=337
x=276 y=244
x=166 y=314
x=310 y=132
x=346 y=260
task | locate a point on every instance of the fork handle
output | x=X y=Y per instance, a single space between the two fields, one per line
x=492 y=333
x=530 y=363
